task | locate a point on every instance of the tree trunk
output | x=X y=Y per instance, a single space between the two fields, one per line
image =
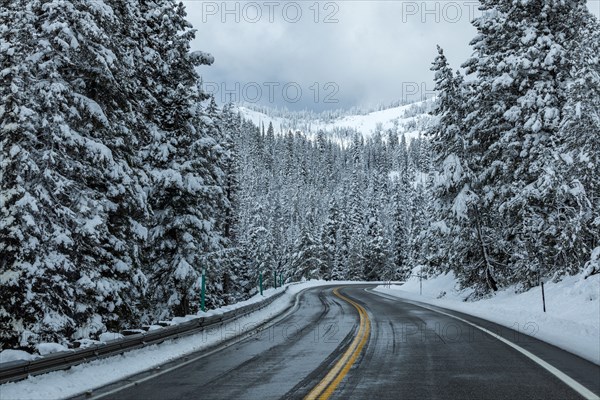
x=489 y=279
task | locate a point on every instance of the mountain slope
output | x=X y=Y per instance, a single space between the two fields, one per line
x=411 y=119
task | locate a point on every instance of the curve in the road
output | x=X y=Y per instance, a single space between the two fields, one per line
x=331 y=381
x=355 y=344
x=566 y=379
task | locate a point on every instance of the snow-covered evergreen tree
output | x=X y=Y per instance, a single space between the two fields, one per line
x=329 y=240
x=579 y=149
x=449 y=237
x=72 y=216
x=184 y=163
x=521 y=63
x=376 y=250
x=506 y=180
x=305 y=259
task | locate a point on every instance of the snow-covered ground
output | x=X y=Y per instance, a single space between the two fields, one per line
x=367 y=123
x=261 y=119
x=571 y=320
x=84 y=377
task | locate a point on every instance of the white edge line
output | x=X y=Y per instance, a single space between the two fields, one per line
x=572 y=383
x=183 y=364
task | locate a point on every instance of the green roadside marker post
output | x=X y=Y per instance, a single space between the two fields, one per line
x=260 y=282
x=203 y=291
x=275 y=279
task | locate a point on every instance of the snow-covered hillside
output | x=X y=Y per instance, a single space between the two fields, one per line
x=411 y=119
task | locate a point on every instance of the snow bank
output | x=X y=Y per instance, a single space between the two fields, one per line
x=572 y=320
x=108 y=336
x=49 y=348
x=84 y=377
x=14 y=355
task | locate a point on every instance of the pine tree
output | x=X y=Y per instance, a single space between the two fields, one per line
x=401 y=199
x=231 y=168
x=258 y=248
x=400 y=234
x=514 y=113
x=184 y=160
x=329 y=240
x=453 y=197
x=376 y=249
x=305 y=260
x=75 y=188
x=342 y=256
x=579 y=149
x=356 y=218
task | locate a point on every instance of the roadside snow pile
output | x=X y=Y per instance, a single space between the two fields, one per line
x=84 y=377
x=108 y=336
x=14 y=355
x=572 y=320
x=49 y=348
x=593 y=266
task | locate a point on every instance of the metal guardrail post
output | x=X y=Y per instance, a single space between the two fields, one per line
x=203 y=292
x=260 y=282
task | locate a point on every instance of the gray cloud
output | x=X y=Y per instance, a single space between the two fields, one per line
x=358 y=53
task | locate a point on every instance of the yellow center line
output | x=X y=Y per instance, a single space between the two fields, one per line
x=327 y=386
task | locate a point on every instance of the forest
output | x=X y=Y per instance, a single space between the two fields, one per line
x=121 y=180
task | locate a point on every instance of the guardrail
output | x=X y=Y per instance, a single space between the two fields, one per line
x=21 y=369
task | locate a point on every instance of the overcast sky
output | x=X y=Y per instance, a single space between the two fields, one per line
x=328 y=55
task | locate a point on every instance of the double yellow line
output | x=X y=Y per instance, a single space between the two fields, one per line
x=326 y=387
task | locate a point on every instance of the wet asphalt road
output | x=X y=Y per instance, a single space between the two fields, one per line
x=411 y=353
